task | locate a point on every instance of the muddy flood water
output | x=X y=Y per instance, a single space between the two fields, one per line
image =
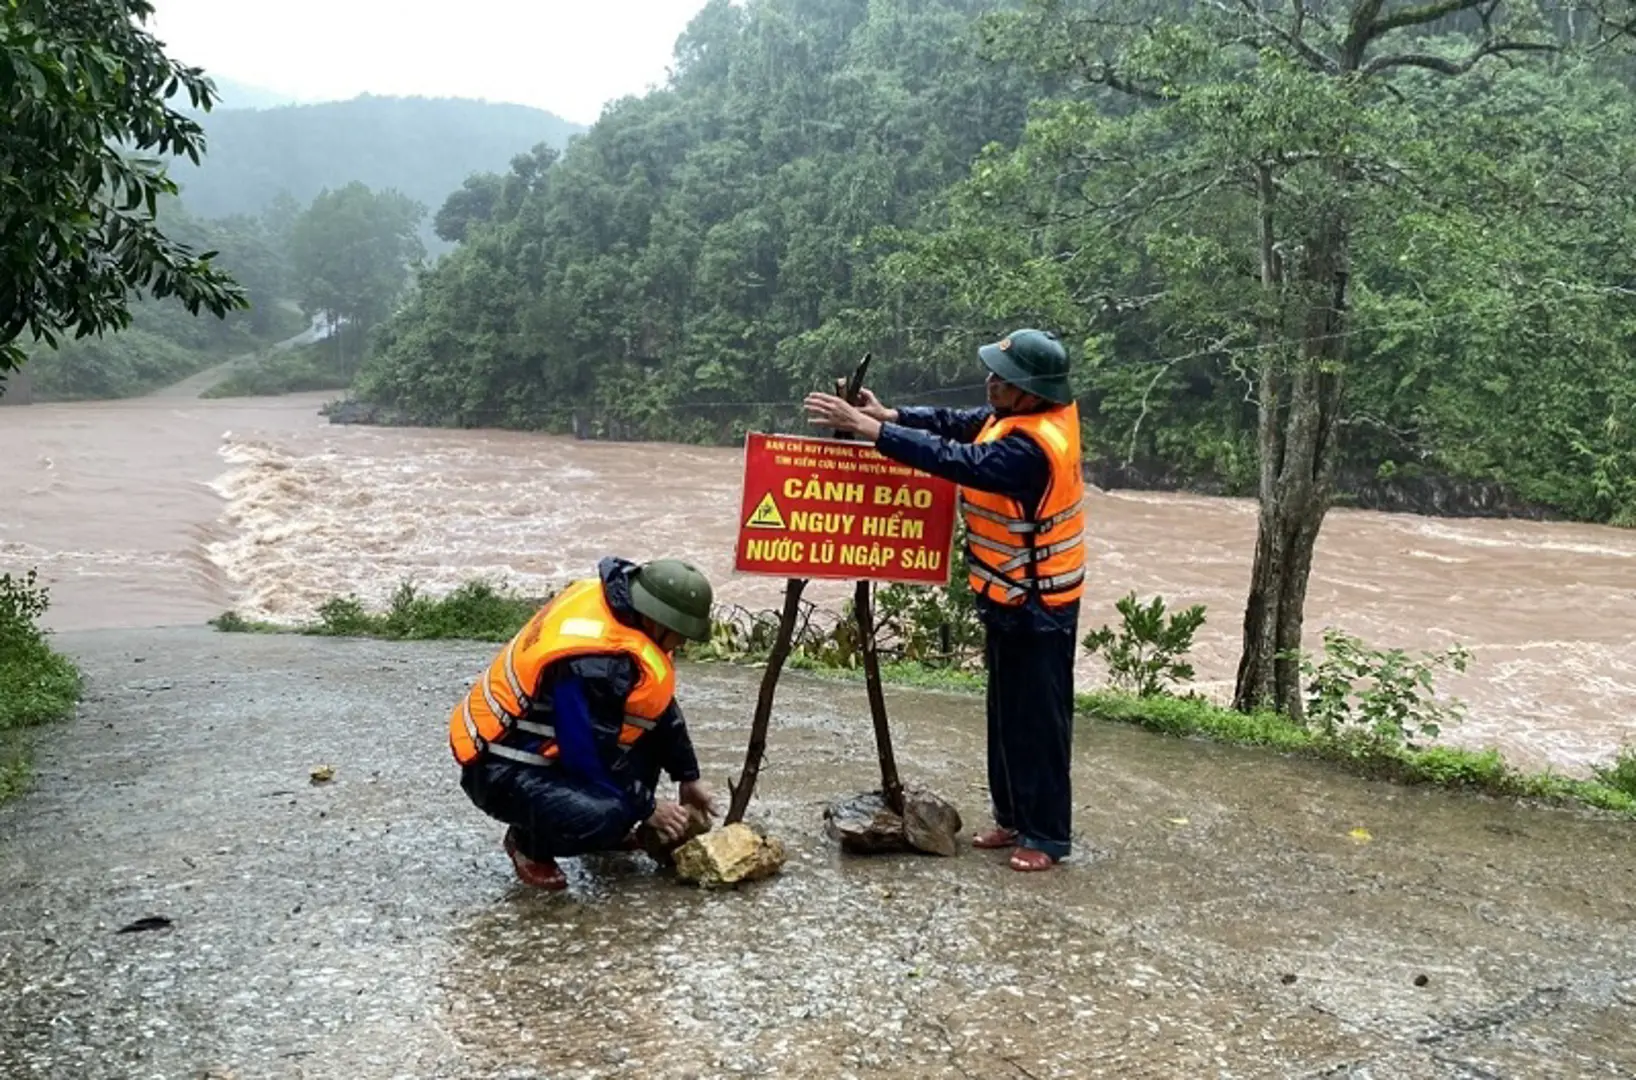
x=169 y=510
x=179 y=900
x=1222 y=915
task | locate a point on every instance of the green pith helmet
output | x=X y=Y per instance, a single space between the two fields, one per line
x=674 y=594
x=1031 y=360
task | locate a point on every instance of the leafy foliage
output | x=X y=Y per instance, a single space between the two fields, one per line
x=1144 y=656
x=320 y=365
x=1620 y=774
x=84 y=90
x=1385 y=694
x=163 y=342
x=825 y=177
x=672 y=272
x=37 y=684
x=936 y=627
x=475 y=610
x=353 y=250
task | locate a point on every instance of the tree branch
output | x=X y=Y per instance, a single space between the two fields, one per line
x=1415 y=16
x=1292 y=38
x=1455 y=67
x=1102 y=75
x=1359 y=30
x=1136 y=427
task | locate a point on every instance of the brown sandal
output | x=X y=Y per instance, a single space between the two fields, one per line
x=997 y=837
x=1028 y=860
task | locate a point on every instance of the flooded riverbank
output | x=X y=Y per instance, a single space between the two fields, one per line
x=169 y=510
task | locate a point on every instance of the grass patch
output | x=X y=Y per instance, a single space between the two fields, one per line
x=1441 y=766
x=37 y=684
x=482 y=612
x=294 y=370
x=476 y=611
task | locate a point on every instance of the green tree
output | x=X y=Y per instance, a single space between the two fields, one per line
x=83 y=89
x=662 y=276
x=353 y=250
x=1270 y=180
x=473 y=203
x=814 y=183
x=163 y=343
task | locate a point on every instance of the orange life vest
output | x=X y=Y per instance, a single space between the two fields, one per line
x=1014 y=550
x=577 y=622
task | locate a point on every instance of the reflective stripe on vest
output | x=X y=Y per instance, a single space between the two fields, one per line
x=578 y=622
x=1013 y=551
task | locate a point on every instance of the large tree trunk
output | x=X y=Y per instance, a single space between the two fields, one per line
x=1299 y=403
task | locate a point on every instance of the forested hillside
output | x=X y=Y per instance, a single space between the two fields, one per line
x=1421 y=227
x=686 y=248
x=165 y=343
x=423 y=147
x=264 y=172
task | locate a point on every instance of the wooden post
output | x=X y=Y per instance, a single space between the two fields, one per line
x=891 y=786
x=746 y=785
x=862 y=607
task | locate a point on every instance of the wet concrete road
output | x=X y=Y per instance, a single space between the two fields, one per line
x=1219 y=919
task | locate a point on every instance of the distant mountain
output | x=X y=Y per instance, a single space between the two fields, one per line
x=237 y=95
x=424 y=147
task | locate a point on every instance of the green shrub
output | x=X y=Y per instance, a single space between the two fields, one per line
x=1144 y=656
x=1384 y=693
x=1620 y=774
x=37 y=684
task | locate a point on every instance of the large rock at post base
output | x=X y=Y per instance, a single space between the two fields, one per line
x=865 y=825
x=930 y=822
x=729 y=855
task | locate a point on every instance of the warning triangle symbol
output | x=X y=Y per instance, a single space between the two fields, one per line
x=766 y=515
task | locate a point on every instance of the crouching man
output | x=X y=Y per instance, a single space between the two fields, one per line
x=565 y=735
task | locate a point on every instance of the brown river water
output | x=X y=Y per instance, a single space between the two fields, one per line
x=168 y=510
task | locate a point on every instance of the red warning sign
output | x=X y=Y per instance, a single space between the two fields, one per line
x=828 y=508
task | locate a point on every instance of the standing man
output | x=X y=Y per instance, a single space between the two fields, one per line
x=1017 y=461
x=564 y=736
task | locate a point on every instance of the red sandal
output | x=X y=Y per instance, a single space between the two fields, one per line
x=997 y=837
x=540 y=875
x=1028 y=860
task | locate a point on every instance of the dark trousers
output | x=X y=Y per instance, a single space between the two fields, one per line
x=1030 y=734
x=553 y=814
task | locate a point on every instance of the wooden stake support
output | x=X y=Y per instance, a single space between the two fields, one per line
x=746 y=785
x=891 y=787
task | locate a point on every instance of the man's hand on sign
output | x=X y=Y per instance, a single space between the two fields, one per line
x=829 y=411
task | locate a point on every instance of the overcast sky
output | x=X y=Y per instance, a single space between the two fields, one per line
x=568 y=56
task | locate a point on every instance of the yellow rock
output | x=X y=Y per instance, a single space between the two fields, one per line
x=728 y=856
x=323 y=774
